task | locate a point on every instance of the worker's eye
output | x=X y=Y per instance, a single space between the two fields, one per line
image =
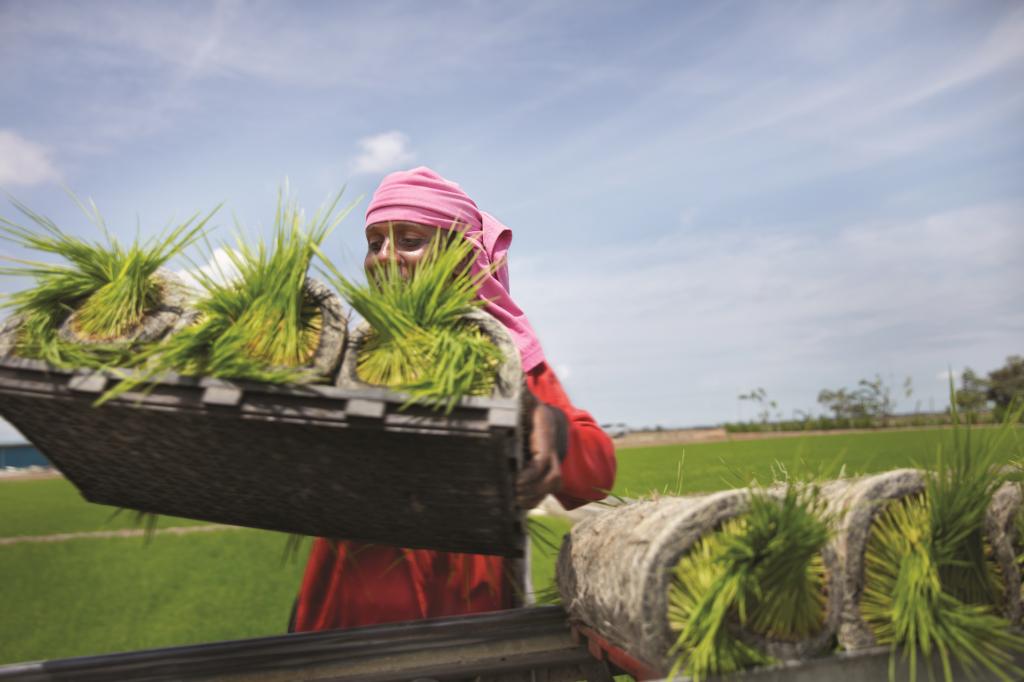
x=374 y=245
x=410 y=242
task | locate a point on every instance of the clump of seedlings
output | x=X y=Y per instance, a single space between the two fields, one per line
x=1018 y=546
x=931 y=583
x=260 y=321
x=419 y=340
x=761 y=572
x=90 y=311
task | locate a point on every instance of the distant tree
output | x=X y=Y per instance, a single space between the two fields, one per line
x=875 y=397
x=760 y=396
x=1006 y=384
x=833 y=400
x=757 y=395
x=972 y=396
x=871 y=400
x=844 y=404
x=802 y=416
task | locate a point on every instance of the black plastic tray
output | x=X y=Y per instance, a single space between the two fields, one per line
x=329 y=461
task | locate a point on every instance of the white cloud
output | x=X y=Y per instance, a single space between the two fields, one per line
x=220 y=268
x=382 y=153
x=671 y=330
x=1004 y=47
x=23 y=162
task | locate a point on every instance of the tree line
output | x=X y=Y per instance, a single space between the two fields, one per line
x=871 y=403
x=998 y=390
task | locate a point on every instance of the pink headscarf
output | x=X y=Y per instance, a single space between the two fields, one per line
x=422 y=196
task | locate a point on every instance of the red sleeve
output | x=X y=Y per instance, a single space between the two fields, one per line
x=588 y=470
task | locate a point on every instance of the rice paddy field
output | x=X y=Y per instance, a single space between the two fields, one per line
x=103 y=592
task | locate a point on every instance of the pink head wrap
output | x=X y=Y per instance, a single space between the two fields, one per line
x=422 y=196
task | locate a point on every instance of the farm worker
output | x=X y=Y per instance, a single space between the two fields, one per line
x=348 y=584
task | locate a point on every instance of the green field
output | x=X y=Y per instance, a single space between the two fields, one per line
x=88 y=596
x=92 y=596
x=714 y=466
x=98 y=595
x=44 y=507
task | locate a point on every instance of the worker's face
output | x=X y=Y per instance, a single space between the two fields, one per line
x=407 y=243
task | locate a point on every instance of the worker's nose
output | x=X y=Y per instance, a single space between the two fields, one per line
x=383 y=259
x=383 y=253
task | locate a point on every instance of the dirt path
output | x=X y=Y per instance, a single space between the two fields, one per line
x=125 y=533
x=28 y=474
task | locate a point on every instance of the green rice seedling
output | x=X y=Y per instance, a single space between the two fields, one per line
x=762 y=571
x=931 y=583
x=260 y=323
x=420 y=341
x=1018 y=543
x=108 y=286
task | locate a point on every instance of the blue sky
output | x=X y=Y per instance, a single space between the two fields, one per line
x=706 y=197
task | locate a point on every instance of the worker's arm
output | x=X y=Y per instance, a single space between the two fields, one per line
x=573 y=458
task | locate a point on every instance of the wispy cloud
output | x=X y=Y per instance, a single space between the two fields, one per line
x=791 y=96
x=704 y=314
x=1002 y=48
x=270 y=42
x=23 y=162
x=382 y=153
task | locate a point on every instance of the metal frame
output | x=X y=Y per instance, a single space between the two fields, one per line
x=533 y=644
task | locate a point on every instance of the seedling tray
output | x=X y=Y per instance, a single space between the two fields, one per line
x=332 y=461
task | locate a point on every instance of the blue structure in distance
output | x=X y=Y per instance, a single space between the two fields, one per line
x=21 y=455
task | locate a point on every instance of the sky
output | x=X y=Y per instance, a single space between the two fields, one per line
x=706 y=197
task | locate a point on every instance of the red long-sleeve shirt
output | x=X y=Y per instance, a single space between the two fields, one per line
x=348 y=584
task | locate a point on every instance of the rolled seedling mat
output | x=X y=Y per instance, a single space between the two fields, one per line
x=9 y=334
x=614 y=572
x=1004 y=535
x=154 y=325
x=321 y=460
x=330 y=348
x=327 y=357
x=860 y=503
x=333 y=329
x=171 y=313
x=509 y=380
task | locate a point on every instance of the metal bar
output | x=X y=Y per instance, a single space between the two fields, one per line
x=444 y=648
x=88 y=383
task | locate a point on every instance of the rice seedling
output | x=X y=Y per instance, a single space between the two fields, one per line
x=1018 y=542
x=259 y=323
x=931 y=583
x=104 y=290
x=762 y=571
x=419 y=340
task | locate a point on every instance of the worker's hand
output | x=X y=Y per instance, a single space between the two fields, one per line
x=542 y=474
